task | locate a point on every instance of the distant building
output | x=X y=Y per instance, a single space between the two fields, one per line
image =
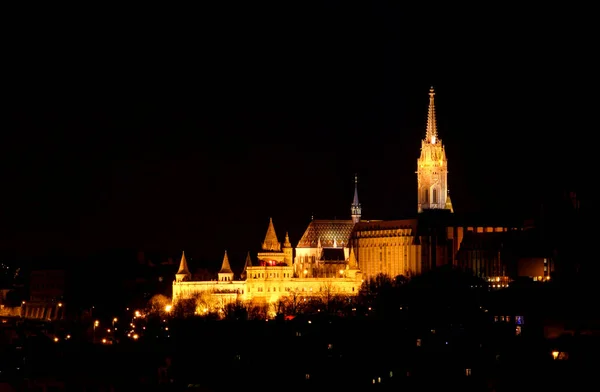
x=46 y=295
x=338 y=255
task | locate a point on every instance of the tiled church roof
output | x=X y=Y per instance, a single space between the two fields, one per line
x=327 y=231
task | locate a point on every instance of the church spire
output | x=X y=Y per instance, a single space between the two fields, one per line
x=183 y=273
x=355 y=209
x=271 y=243
x=431 y=133
x=432 y=167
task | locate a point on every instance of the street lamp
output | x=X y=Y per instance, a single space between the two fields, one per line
x=96 y=324
x=114 y=321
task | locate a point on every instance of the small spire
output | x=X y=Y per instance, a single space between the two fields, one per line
x=225 y=268
x=355 y=209
x=287 y=243
x=448 y=205
x=352 y=264
x=247 y=264
x=183 y=267
x=248 y=261
x=431 y=133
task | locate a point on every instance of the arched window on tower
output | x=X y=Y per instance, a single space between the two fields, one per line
x=425 y=195
x=435 y=196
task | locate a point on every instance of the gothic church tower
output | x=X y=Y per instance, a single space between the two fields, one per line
x=432 y=167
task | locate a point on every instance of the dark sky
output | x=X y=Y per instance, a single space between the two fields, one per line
x=188 y=130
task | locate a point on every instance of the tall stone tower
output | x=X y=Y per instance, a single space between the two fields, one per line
x=355 y=209
x=432 y=167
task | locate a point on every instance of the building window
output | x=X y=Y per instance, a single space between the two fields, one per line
x=435 y=196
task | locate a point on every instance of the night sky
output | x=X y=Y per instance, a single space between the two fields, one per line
x=173 y=132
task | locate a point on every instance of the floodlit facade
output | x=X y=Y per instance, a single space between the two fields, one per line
x=336 y=256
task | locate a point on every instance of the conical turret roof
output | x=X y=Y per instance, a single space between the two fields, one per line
x=448 y=205
x=271 y=243
x=248 y=261
x=352 y=264
x=225 y=268
x=183 y=267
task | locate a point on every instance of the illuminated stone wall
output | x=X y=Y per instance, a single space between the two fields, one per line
x=387 y=247
x=269 y=284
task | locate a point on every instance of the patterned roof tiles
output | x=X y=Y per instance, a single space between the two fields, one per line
x=327 y=231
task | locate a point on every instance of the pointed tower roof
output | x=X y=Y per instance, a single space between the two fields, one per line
x=355 y=209
x=352 y=264
x=448 y=205
x=271 y=242
x=247 y=264
x=183 y=267
x=248 y=261
x=431 y=133
x=225 y=268
x=287 y=243
x=355 y=200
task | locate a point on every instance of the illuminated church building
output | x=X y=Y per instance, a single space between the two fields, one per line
x=336 y=256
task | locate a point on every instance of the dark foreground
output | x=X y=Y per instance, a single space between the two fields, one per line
x=304 y=354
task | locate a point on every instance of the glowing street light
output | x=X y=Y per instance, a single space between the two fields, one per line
x=168 y=308
x=96 y=324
